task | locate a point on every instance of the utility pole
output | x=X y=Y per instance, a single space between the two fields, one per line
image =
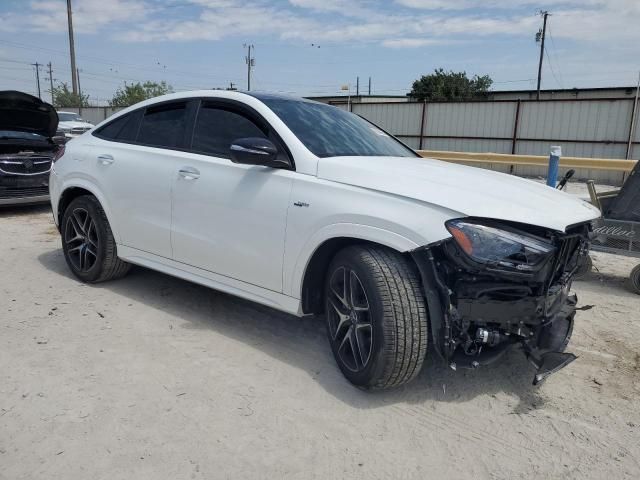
x=540 y=38
x=51 y=80
x=369 y=86
x=72 y=50
x=37 y=65
x=251 y=62
x=357 y=86
x=634 y=114
x=79 y=89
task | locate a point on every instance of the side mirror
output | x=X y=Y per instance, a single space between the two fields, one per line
x=255 y=151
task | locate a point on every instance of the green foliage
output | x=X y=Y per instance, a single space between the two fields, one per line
x=63 y=97
x=137 y=92
x=442 y=85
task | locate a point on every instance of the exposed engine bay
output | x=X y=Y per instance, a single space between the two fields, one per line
x=495 y=285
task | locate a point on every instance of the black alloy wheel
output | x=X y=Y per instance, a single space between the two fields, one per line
x=81 y=239
x=88 y=243
x=350 y=326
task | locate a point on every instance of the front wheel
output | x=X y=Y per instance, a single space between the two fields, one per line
x=88 y=244
x=584 y=268
x=634 y=279
x=376 y=317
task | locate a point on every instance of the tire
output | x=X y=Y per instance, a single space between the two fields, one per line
x=383 y=319
x=88 y=244
x=634 y=279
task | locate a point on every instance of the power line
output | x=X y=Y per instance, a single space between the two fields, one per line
x=552 y=71
x=555 y=54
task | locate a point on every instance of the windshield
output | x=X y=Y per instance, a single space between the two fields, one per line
x=331 y=132
x=9 y=134
x=69 y=117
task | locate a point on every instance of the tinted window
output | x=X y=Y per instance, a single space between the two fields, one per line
x=124 y=128
x=330 y=132
x=111 y=129
x=217 y=128
x=163 y=126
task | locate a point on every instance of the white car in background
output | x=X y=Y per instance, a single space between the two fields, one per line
x=311 y=209
x=72 y=124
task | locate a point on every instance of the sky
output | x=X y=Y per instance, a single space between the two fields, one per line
x=314 y=47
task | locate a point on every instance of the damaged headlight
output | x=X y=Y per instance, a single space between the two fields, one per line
x=495 y=246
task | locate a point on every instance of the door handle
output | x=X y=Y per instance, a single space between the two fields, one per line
x=105 y=159
x=189 y=173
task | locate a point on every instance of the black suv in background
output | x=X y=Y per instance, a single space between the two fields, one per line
x=28 y=146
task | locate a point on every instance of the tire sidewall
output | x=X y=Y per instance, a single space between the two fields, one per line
x=634 y=279
x=94 y=209
x=349 y=258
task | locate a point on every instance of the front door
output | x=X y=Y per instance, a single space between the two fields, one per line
x=228 y=218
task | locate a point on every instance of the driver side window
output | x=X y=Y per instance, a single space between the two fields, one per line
x=216 y=128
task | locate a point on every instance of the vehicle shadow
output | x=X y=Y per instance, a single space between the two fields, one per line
x=302 y=343
x=24 y=210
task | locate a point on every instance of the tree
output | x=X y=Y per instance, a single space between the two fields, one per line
x=63 y=97
x=442 y=85
x=137 y=92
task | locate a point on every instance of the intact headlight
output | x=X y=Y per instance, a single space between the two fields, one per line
x=494 y=246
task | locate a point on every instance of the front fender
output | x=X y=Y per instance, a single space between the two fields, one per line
x=293 y=280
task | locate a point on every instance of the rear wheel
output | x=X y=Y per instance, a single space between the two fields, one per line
x=88 y=244
x=376 y=317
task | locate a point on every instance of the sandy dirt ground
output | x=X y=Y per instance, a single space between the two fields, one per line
x=151 y=377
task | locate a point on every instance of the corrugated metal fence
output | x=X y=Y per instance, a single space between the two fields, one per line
x=593 y=128
x=585 y=128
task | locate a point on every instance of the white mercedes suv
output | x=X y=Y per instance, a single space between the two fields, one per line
x=310 y=209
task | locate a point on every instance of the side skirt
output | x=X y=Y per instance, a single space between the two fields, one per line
x=209 y=279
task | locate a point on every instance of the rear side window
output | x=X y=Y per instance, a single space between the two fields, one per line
x=216 y=128
x=163 y=126
x=123 y=129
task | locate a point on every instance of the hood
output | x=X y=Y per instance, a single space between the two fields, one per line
x=20 y=112
x=472 y=191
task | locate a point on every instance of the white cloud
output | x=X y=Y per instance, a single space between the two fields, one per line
x=490 y=4
x=89 y=15
x=411 y=42
x=407 y=24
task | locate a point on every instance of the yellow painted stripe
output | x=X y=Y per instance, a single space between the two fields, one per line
x=611 y=164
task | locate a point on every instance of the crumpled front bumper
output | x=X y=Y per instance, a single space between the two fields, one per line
x=469 y=303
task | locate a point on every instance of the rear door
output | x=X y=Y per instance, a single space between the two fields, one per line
x=135 y=166
x=228 y=218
